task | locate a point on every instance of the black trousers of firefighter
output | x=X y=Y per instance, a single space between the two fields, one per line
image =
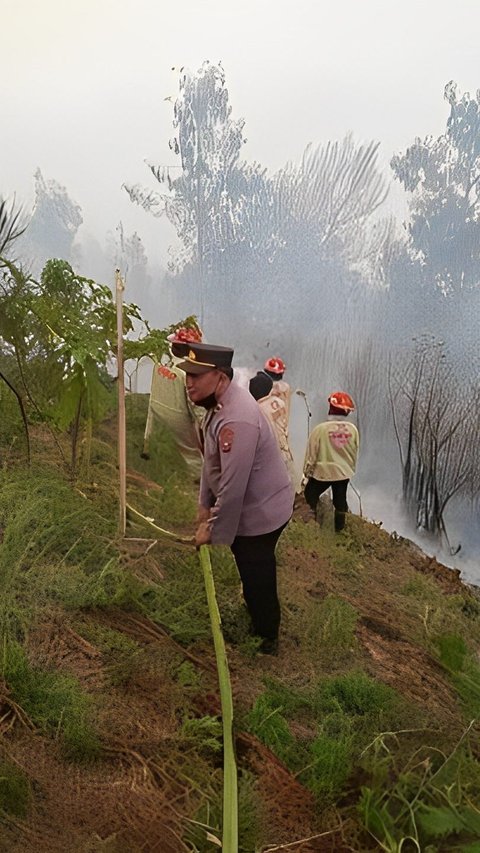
x=257 y=566
x=315 y=488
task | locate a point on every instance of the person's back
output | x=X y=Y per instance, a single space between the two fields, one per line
x=275 y=368
x=170 y=405
x=267 y=495
x=275 y=410
x=332 y=451
x=331 y=457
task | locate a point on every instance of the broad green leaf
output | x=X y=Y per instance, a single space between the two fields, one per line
x=471 y=819
x=66 y=407
x=437 y=822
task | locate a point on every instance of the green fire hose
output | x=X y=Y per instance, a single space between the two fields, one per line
x=230 y=792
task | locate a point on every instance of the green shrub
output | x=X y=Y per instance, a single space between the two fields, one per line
x=14 y=790
x=12 y=433
x=205 y=732
x=349 y=709
x=236 y=623
x=355 y=694
x=118 y=587
x=453 y=651
x=431 y=802
x=301 y=535
x=330 y=763
x=463 y=669
x=180 y=604
x=270 y=726
x=291 y=701
x=187 y=676
x=53 y=701
x=70 y=531
x=421 y=588
x=331 y=628
x=467 y=684
x=121 y=654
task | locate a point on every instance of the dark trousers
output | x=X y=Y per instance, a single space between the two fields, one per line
x=257 y=566
x=315 y=488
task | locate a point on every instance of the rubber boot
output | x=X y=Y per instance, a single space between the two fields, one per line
x=269 y=646
x=339 y=520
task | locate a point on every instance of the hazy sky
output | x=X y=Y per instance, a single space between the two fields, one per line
x=84 y=83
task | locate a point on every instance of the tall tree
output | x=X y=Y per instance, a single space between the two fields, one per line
x=53 y=226
x=203 y=198
x=443 y=175
x=301 y=237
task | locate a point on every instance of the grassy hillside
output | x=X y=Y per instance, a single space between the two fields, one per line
x=361 y=735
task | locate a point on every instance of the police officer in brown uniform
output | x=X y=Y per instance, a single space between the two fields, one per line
x=246 y=497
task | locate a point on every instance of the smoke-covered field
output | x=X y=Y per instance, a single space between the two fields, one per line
x=309 y=263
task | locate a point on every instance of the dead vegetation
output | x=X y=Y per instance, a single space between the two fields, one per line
x=114 y=635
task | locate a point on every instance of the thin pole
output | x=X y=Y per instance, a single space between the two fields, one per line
x=122 y=444
x=309 y=414
x=358 y=496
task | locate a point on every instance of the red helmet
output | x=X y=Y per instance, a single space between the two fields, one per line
x=342 y=400
x=275 y=365
x=186 y=335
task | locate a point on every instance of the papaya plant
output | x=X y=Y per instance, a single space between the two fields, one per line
x=57 y=342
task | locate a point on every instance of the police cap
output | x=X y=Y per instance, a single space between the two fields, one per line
x=200 y=358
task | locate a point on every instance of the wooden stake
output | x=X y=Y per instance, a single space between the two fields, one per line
x=122 y=444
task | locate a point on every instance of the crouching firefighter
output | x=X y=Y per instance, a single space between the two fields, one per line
x=331 y=457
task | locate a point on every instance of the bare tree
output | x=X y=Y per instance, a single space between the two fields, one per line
x=12 y=225
x=435 y=428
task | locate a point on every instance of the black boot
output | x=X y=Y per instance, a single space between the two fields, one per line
x=268 y=646
x=339 y=520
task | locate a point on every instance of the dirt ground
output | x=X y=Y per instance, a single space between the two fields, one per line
x=139 y=796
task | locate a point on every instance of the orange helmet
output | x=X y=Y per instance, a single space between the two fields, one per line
x=342 y=400
x=186 y=335
x=275 y=365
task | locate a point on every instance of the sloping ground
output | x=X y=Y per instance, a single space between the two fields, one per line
x=109 y=701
